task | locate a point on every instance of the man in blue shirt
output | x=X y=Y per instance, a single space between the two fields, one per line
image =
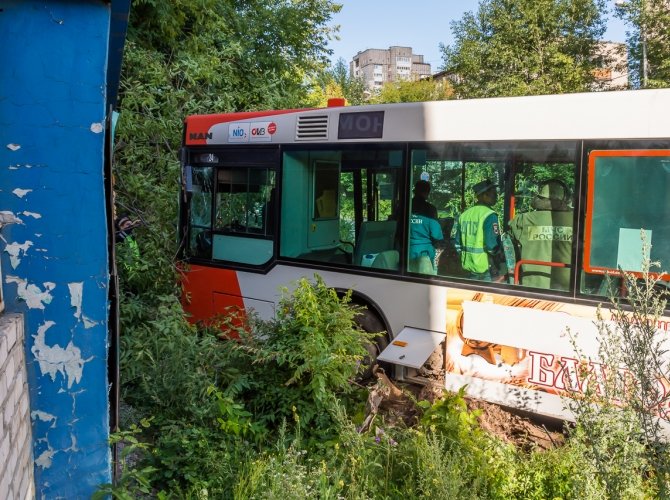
x=425 y=233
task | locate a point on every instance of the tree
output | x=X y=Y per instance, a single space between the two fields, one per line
x=525 y=47
x=413 y=91
x=648 y=40
x=208 y=56
x=337 y=82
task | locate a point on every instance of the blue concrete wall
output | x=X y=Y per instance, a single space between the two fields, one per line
x=54 y=259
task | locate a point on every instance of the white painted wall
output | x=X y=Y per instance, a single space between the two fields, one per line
x=16 y=458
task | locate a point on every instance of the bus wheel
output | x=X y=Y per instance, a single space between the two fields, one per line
x=370 y=322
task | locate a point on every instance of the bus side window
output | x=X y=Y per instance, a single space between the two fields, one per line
x=337 y=206
x=241 y=230
x=627 y=222
x=541 y=227
x=435 y=245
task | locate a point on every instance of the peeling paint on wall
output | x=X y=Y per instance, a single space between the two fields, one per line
x=53 y=360
x=76 y=297
x=19 y=165
x=96 y=128
x=32 y=214
x=35 y=298
x=13 y=147
x=44 y=460
x=44 y=417
x=7 y=217
x=21 y=192
x=15 y=250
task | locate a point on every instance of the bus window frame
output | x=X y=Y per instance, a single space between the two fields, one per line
x=591 y=155
x=404 y=200
x=236 y=156
x=463 y=153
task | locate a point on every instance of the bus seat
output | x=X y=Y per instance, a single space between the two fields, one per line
x=422 y=265
x=374 y=237
x=388 y=259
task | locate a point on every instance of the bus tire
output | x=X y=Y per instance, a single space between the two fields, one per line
x=370 y=322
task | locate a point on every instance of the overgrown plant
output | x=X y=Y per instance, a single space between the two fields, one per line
x=135 y=478
x=312 y=351
x=621 y=416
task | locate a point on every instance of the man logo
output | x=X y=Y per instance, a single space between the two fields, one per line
x=198 y=136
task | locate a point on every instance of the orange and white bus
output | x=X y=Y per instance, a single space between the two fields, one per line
x=583 y=184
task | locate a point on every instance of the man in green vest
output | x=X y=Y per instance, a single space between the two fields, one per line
x=545 y=235
x=478 y=235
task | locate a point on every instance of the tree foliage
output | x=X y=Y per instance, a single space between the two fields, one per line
x=208 y=56
x=525 y=47
x=648 y=35
x=413 y=91
x=336 y=81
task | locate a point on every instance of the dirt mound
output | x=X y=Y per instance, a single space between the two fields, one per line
x=398 y=406
x=522 y=432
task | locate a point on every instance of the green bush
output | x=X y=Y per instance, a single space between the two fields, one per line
x=300 y=363
x=168 y=366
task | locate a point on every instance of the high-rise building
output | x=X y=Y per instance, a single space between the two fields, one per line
x=379 y=66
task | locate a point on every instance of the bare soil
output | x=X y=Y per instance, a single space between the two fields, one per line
x=397 y=404
x=525 y=433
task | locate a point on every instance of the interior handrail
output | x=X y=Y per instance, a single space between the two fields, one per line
x=517 y=267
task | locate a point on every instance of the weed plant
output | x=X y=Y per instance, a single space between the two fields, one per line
x=621 y=417
x=303 y=362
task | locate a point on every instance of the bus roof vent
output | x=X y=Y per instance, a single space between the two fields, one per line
x=312 y=128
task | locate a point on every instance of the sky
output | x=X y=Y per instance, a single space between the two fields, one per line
x=420 y=24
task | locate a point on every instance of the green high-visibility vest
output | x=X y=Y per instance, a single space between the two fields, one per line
x=471 y=225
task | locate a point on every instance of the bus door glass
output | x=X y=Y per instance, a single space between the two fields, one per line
x=339 y=206
x=627 y=222
x=200 y=212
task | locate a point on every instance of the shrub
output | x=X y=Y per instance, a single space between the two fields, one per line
x=619 y=419
x=300 y=363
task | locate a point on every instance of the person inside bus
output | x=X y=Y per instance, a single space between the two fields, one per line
x=420 y=203
x=545 y=235
x=425 y=232
x=478 y=235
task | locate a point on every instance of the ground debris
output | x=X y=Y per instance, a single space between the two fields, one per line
x=512 y=428
x=397 y=405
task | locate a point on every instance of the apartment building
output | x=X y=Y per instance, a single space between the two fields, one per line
x=612 y=58
x=379 y=66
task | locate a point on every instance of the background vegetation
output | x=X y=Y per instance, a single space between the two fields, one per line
x=278 y=414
